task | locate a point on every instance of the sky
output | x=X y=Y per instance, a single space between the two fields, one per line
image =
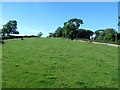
x=45 y=17
x=119 y=14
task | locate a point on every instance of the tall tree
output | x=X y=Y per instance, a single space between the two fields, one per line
x=10 y=28
x=71 y=26
x=69 y=30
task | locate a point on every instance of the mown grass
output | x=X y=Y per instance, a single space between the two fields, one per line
x=0 y=66
x=58 y=63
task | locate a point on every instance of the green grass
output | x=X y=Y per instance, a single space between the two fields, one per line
x=58 y=63
x=0 y=66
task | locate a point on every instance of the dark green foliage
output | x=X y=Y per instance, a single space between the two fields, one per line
x=108 y=34
x=71 y=26
x=40 y=34
x=58 y=32
x=118 y=36
x=98 y=32
x=51 y=34
x=10 y=28
x=82 y=33
x=71 y=30
x=15 y=32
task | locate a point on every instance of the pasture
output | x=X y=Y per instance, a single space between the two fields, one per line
x=58 y=63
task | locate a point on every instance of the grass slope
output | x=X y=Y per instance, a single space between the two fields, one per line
x=58 y=63
x=0 y=66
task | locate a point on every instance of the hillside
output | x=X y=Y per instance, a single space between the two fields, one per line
x=58 y=63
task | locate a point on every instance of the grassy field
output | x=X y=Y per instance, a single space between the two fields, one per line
x=58 y=63
x=0 y=66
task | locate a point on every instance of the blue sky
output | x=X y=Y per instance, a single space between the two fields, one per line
x=45 y=17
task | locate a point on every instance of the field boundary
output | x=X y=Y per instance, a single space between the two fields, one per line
x=108 y=44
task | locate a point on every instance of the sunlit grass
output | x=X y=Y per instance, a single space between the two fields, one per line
x=59 y=63
x=0 y=66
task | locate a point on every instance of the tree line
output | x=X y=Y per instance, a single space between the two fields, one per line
x=71 y=29
x=11 y=28
x=108 y=34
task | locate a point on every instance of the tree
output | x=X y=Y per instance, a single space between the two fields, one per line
x=89 y=33
x=10 y=28
x=98 y=32
x=70 y=27
x=82 y=33
x=118 y=36
x=51 y=34
x=107 y=35
x=40 y=34
x=58 y=32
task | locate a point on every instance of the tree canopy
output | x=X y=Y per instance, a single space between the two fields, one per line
x=107 y=34
x=70 y=27
x=10 y=28
x=39 y=34
x=71 y=30
x=83 y=33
